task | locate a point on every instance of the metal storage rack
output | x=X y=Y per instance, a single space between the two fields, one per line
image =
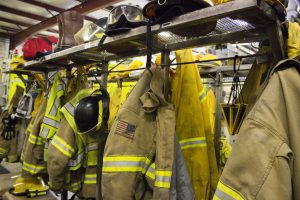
x=238 y=21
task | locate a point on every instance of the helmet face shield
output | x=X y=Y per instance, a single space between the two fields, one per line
x=131 y=13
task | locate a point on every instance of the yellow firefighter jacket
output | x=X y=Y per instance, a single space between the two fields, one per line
x=265 y=163
x=142 y=133
x=33 y=160
x=8 y=148
x=52 y=116
x=72 y=157
x=193 y=126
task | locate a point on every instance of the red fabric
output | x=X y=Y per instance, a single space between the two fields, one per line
x=38 y=46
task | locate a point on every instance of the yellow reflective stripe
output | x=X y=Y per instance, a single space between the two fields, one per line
x=151 y=171
x=51 y=122
x=90 y=179
x=74 y=164
x=62 y=146
x=225 y=192
x=193 y=142
x=125 y=164
x=163 y=178
x=33 y=169
x=3 y=151
x=35 y=140
x=74 y=186
x=202 y=94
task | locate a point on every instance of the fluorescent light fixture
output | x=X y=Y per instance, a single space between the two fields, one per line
x=164 y=34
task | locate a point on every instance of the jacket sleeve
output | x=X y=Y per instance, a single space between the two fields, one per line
x=61 y=150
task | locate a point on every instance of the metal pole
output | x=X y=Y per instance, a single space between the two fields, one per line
x=101 y=146
x=218 y=118
x=165 y=61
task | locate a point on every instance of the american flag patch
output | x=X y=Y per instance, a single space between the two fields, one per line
x=125 y=129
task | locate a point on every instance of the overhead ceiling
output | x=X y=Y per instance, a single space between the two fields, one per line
x=20 y=19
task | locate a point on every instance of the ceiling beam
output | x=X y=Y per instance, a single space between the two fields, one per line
x=86 y=7
x=9 y=29
x=22 y=13
x=18 y=23
x=53 y=8
x=11 y=21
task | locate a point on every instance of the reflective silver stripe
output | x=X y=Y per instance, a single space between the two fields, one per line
x=78 y=160
x=51 y=122
x=123 y=163
x=57 y=142
x=59 y=87
x=166 y=179
x=90 y=179
x=192 y=143
x=45 y=132
x=202 y=96
x=92 y=147
x=47 y=144
x=70 y=108
x=54 y=108
x=222 y=195
x=151 y=170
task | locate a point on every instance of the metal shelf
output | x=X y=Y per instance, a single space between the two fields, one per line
x=237 y=21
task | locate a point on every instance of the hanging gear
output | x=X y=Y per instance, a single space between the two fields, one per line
x=161 y=11
x=164 y=10
x=234 y=111
x=87 y=114
x=9 y=131
x=91 y=31
x=123 y=18
x=26 y=104
x=30 y=187
x=264 y=161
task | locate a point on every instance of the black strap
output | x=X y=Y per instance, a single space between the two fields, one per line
x=102 y=40
x=149 y=46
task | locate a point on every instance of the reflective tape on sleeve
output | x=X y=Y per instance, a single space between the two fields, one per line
x=74 y=186
x=33 y=169
x=163 y=178
x=92 y=147
x=54 y=108
x=125 y=164
x=35 y=140
x=224 y=192
x=151 y=171
x=62 y=146
x=193 y=142
x=70 y=108
x=74 y=164
x=45 y=132
x=90 y=179
x=51 y=122
x=202 y=94
x=59 y=88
